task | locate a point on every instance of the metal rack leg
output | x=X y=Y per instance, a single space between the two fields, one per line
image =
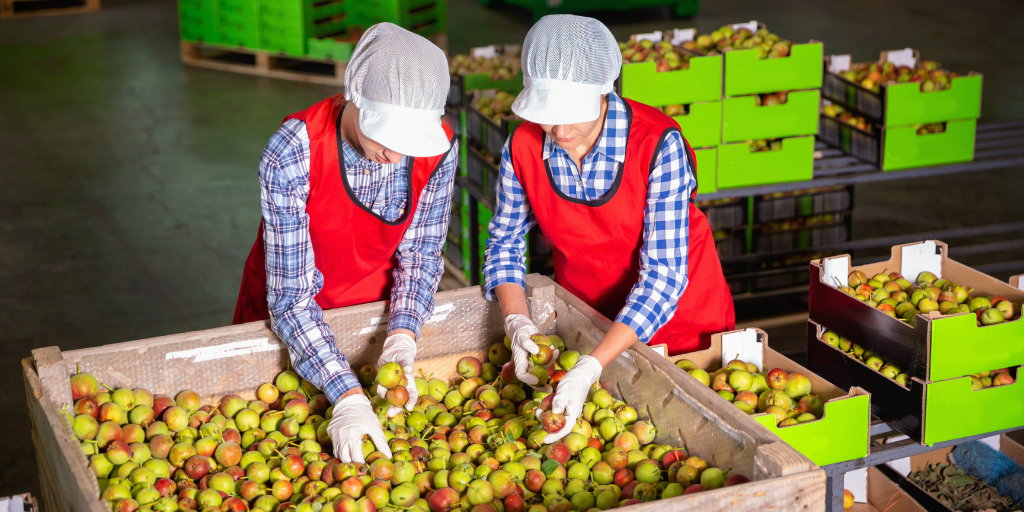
x=834 y=492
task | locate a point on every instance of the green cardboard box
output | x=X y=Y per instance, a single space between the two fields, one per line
x=702 y=82
x=938 y=347
x=707 y=170
x=840 y=434
x=702 y=125
x=746 y=73
x=739 y=167
x=903 y=148
x=743 y=119
x=424 y=17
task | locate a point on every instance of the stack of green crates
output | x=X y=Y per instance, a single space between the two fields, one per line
x=240 y=24
x=200 y=20
x=424 y=17
x=289 y=25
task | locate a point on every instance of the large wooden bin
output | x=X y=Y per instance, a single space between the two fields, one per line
x=238 y=358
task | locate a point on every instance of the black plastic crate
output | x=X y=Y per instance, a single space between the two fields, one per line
x=481 y=172
x=808 y=238
x=453 y=116
x=726 y=217
x=864 y=145
x=771 y=209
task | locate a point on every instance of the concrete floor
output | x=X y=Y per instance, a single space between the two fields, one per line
x=128 y=192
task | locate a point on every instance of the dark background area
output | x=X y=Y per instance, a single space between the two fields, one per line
x=128 y=192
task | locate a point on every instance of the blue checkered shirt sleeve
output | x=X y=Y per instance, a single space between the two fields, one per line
x=292 y=278
x=663 y=258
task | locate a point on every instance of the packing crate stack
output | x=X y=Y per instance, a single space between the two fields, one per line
x=900 y=112
x=939 y=353
x=295 y=37
x=541 y=8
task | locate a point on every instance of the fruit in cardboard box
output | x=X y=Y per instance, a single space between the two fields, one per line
x=497 y=108
x=872 y=75
x=842 y=115
x=501 y=67
x=765 y=43
x=663 y=54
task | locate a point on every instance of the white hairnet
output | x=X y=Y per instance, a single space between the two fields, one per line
x=568 y=63
x=399 y=81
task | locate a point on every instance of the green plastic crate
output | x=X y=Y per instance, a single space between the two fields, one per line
x=707 y=170
x=287 y=44
x=953 y=410
x=743 y=120
x=245 y=39
x=739 y=167
x=903 y=148
x=745 y=73
x=240 y=9
x=702 y=126
x=541 y=8
x=199 y=20
x=424 y=17
x=702 y=82
x=329 y=48
x=905 y=103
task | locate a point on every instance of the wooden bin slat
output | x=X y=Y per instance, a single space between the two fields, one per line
x=238 y=358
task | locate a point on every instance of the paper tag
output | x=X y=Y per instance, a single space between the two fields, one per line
x=904 y=57
x=838 y=64
x=902 y=466
x=743 y=345
x=837 y=271
x=680 y=36
x=920 y=257
x=751 y=26
x=660 y=349
x=1020 y=282
x=486 y=52
x=654 y=37
x=992 y=442
x=856 y=481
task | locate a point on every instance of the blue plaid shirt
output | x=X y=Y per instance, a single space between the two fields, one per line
x=292 y=278
x=663 y=257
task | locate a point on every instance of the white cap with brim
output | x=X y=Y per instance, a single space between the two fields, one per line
x=556 y=102
x=409 y=131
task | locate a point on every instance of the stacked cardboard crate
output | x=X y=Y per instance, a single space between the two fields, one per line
x=424 y=17
x=940 y=353
x=291 y=26
x=240 y=24
x=892 y=136
x=199 y=20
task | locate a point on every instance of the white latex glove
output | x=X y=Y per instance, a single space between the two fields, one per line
x=353 y=418
x=519 y=329
x=572 y=393
x=401 y=349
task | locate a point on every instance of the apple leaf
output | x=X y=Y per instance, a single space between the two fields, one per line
x=549 y=466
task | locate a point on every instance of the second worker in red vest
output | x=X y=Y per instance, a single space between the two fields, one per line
x=610 y=184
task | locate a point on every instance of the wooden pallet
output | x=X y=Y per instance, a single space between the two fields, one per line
x=271 y=64
x=11 y=9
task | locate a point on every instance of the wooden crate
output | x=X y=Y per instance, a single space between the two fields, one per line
x=10 y=9
x=238 y=358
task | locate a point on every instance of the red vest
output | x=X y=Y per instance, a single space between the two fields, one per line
x=596 y=244
x=353 y=248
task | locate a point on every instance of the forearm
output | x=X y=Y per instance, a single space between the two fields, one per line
x=615 y=342
x=512 y=299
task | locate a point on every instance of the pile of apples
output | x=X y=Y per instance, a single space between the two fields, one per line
x=821 y=219
x=765 y=145
x=844 y=116
x=502 y=67
x=873 y=75
x=787 y=396
x=899 y=298
x=496 y=108
x=767 y=44
x=663 y=54
x=982 y=380
x=923 y=129
x=472 y=445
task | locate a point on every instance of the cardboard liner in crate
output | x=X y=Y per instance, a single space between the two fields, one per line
x=238 y=358
x=927 y=411
x=938 y=347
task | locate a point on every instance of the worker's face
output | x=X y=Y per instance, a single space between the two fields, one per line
x=374 y=151
x=571 y=136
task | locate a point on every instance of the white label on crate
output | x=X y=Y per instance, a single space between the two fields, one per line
x=376 y=323
x=1020 y=282
x=660 y=350
x=486 y=52
x=654 y=37
x=750 y=25
x=441 y=313
x=837 y=271
x=743 y=345
x=680 y=36
x=920 y=257
x=992 y=442
x=901 y=466
x=839 y=63
x=856 y=481
x=904 y=57
x=235 y=348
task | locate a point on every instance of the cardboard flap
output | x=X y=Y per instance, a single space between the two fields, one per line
x=836 y=271
x=750 y=25
x=680 y=36
x=838 y=64
x=654 y=37
x=746 y=345
x=917 y=258
x=1017 y=282
x=905 y=57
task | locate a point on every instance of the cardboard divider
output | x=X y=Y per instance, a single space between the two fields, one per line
x=937 y=347
x=841 y=433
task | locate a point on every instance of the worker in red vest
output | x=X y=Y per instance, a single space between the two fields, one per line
x=610 y=183
x=356 y=199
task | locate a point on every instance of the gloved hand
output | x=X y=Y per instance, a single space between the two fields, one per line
x=519 y=329
x=353 y=418
x=401 y=349
x=572 y=393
